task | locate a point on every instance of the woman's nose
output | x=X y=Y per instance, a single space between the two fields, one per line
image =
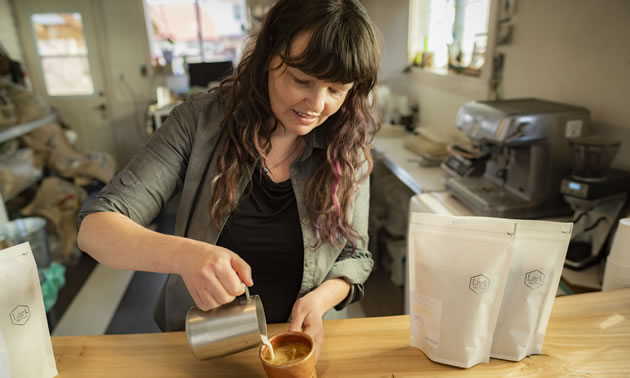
x=317 y=100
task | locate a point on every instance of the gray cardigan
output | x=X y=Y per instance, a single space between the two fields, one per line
x=181 y=158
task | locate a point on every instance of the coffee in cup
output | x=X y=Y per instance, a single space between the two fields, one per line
x=293 y=356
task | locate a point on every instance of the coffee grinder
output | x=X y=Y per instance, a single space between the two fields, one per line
x=597 y=194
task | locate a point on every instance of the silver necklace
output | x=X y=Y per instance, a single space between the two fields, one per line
x=267 y=169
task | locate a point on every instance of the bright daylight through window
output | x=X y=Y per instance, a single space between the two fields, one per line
x=448 y=35
x=192 y=31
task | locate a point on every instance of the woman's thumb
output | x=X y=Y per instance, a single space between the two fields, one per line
x=243 y=269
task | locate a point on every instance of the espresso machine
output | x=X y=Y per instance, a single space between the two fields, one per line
x=597 y=194
x=527 y=156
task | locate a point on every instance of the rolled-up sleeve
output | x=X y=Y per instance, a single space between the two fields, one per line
x=154 y=174
x=355 y=266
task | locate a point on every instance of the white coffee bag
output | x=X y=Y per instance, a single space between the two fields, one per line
x=4 y=359
x=23 y=325
x=540 y=249
x=457 y=268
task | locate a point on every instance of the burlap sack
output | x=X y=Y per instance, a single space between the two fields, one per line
x=29 y=106
x=59 y=201
x=55 y=151
x=8 y=112
x=82 y=167
x=17 y=172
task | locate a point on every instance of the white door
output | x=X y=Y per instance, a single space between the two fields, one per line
x=61 y=49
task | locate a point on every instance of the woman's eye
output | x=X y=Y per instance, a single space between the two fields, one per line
x=334 y=91
x=301 y=82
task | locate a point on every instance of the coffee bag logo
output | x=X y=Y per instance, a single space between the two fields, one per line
x=534 y=279
x=20 y=315
x=479 y=284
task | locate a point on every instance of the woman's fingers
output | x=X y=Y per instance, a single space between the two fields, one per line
x=195 y=296
x=218 y=291
x=230 y=280
x=314 y=327
x=204 y=301
x=297 y=317
x=208 y=300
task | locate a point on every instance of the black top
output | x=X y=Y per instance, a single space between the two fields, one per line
x=265 y=231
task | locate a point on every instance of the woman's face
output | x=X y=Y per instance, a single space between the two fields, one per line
x=299 y=101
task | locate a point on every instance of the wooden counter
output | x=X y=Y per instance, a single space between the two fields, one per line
x=588 y=335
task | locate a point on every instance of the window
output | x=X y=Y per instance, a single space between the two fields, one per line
x=63 y=53
x=193 y=31
x=448 y=34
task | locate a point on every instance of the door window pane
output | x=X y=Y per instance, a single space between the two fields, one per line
x=67 y=76
x=63 y=53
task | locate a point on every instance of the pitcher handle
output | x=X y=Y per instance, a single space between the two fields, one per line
x=246 y=299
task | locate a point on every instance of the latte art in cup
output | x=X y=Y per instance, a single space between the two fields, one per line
x=288 y=353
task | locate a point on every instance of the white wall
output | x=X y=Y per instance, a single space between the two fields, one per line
x=8 y=31
x=392 y=20
x=578 y=52
x=125 y=48
x=572 y=51
x=438 y=105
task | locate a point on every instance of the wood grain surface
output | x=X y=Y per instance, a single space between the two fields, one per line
x=588 y=335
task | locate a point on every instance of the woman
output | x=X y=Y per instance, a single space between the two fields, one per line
x=272 y=168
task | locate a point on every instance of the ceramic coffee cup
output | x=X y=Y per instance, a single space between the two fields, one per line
x=294 y=356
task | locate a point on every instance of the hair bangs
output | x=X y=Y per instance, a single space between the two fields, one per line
x=334 y=54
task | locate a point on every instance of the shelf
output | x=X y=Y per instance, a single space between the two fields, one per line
x=18 y=130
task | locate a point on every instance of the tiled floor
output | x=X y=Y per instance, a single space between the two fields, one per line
x=96 y=303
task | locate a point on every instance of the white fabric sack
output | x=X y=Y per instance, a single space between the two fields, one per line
x=540 y=249
x=23 y=326
x=458 y=268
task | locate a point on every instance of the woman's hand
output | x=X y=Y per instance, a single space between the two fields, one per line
x=307 y=312
x=306 y=316
x=213 y=275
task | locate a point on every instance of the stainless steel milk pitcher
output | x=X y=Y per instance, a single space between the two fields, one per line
x=230 y=328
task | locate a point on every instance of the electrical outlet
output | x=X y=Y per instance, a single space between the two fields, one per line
x=573 y=128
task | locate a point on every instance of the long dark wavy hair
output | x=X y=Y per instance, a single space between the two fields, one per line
x=343 y=48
